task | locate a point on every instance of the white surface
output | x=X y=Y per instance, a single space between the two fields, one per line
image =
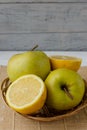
x=5 y=55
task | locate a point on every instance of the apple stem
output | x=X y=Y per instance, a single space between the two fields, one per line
x=67 y=92
x=34 y=47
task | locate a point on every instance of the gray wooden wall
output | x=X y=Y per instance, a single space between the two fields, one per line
x=52 y=24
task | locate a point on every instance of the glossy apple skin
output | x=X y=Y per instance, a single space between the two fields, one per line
x=32 y=62
x=56 y=96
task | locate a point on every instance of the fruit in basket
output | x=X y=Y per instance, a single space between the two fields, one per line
x=65 y=89
x=27 y=94
x=60 y=61
x=31 y=62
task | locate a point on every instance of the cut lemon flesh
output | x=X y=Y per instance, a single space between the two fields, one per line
x=27 y=94
x=69 y=62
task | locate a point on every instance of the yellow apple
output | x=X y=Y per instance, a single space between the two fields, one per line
x=65 y=89
x=31 y=62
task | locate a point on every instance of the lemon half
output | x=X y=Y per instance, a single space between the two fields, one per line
x=27 y=94
x=68 y=62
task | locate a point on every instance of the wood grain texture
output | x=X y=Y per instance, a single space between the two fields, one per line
x=46 y=41
x=43 y=1
x=53 y=25
x=33 y=18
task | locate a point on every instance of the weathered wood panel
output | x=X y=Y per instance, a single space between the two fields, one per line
x=46 y=1
x=33 y=18
x=52 y=24
x=46 y=41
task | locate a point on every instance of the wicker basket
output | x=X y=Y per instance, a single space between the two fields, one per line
x=46 y=114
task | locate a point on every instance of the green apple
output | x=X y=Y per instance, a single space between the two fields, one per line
x=31 y=62
x=65 y=89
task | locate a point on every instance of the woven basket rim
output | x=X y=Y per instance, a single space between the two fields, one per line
x=48 y=117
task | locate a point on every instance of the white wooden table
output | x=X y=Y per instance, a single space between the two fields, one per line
x=5 y=55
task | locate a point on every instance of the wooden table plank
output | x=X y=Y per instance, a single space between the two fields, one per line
x=46 y=41
x=42 y=18
x=42 y=1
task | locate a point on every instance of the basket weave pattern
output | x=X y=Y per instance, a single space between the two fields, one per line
x=46 y=114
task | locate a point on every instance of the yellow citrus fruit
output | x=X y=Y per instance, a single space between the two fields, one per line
x=69 y=62
x=27 y=94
